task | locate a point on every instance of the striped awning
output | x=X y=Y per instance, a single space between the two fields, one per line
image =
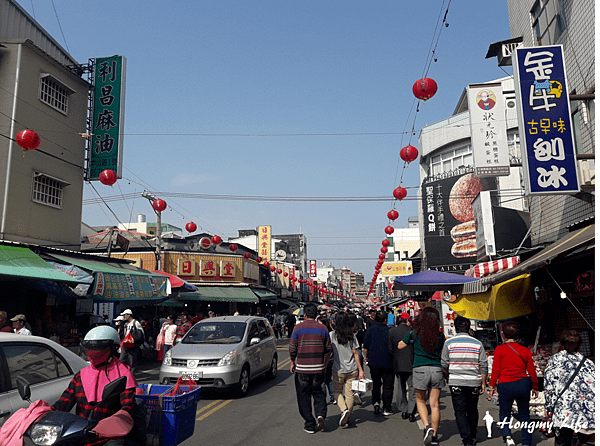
x=486 y=268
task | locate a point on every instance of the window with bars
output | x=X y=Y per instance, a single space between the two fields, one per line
x=54 y=94
x=47 y=190
x=451 y=160
x=548 y=21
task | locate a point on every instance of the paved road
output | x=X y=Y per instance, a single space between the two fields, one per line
x=268 y=415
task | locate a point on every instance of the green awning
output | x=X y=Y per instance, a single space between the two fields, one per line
x=17 y=261
x=119 y=281
x=221 y=294
x=265 y=294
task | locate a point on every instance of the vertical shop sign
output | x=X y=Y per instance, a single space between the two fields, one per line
x=488 y=130
x=264 y=242
x=108 y=113
x=547 y=145
x=227 y=268
x=312 y=268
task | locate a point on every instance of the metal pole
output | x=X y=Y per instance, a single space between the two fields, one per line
x=158 y=239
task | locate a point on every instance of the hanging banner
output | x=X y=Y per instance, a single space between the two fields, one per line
x=449 y=229
x=547 y=145
x=264 y=242
x=312 y=268
x=488 y=130
x=106 y=151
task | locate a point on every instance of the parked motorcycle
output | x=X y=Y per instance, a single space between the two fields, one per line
x=63 y=428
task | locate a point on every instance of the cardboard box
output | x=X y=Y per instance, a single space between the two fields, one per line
x=362 y=385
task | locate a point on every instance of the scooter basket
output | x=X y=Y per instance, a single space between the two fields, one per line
x=171 y=418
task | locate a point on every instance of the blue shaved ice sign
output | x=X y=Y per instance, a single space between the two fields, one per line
x=547 y=145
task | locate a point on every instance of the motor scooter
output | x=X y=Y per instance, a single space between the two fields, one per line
x=62 y=428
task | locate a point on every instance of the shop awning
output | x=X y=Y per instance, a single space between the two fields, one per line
x=115 y=281
x=265 y=294
x=574 y=242
x=506 y=300
x=220 y=294
x=17 y=261
x=432 y=281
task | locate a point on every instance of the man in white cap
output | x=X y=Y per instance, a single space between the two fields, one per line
x=18 y=323
x=130 y=354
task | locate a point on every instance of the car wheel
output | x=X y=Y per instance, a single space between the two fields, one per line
x=244 y=383
x=272 y=372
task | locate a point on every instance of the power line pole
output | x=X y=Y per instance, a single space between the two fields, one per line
x=151 y=198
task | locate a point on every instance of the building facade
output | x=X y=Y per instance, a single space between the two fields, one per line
x=569 y=23
x=41 y=93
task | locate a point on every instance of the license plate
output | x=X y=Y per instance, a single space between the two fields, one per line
x=194 y=375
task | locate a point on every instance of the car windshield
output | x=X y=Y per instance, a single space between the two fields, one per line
x=216 y=333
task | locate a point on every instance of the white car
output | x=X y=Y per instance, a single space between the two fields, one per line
x=223 y=352
x=47 y=366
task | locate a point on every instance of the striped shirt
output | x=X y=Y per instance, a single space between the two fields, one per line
x=464 y=358
x=309 y=344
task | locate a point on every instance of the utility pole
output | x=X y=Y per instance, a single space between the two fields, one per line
x=151 y=198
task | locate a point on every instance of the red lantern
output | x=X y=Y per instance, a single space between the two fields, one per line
x=384 y=250
x=380 y=262
x=266 y=264
x=409 y=153
x=216 y=240
x=191 y=227
x=28 y=140
x=389 y=230
x=258 y=259
x=385 y=242
x=393 y=214
x=233 y=247
x=279 y=271
x=247 y=255
x=382 y=256
x=159 y=205
x=377 y=267
x=400 y=193
x=285 y=274
x=424 y=88
x=108 y=177
x=272 y=269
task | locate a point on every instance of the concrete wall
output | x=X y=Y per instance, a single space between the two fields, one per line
x=60 y=154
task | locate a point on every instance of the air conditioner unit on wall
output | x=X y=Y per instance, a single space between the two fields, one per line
x=587 y=172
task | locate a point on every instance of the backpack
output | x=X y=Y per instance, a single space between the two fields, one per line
x=137 y=334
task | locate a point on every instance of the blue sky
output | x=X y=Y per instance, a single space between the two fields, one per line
x=277 y=98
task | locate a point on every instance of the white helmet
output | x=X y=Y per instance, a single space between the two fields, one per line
x=101 y=338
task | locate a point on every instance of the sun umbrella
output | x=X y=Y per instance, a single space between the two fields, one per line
x=299 y=312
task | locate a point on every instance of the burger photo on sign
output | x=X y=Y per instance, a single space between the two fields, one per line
x=460 y=202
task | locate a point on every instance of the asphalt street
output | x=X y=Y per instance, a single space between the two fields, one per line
x=268 y=415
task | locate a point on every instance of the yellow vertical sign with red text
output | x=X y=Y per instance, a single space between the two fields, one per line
x=264 y=242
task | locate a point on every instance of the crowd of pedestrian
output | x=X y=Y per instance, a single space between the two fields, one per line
x=18 y=324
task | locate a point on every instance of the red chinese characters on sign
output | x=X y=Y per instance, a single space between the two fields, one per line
x=208 y=268
x=227 y=268
x=186 y=267
x=264 y=242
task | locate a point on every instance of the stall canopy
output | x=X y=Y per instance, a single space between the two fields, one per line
x=265 y=295
x=220 y=294
x=177 y=282
x=506 y=300
x=115 y=281
x=432 y=281
x=17 y=261
x=576 y=241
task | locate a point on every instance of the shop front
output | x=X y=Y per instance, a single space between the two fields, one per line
x=220 y=299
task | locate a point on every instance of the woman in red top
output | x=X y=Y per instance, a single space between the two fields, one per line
x=514 y=374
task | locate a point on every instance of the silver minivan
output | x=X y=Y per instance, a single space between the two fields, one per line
x=223 y=352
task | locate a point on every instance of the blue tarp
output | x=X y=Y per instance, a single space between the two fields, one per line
x=431 y=281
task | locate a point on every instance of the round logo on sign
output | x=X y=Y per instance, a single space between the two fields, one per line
x=410 y=304
x=205 y=243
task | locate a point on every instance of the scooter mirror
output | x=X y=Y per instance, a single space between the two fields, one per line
x=114 y=388
x=23 y=388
